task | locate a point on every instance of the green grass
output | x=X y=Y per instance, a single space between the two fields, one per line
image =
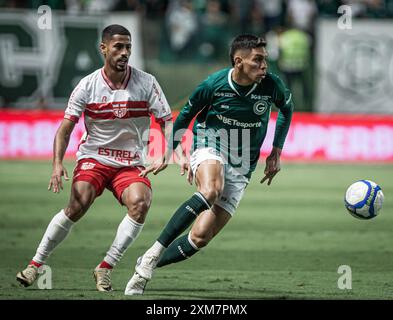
x=286 y=241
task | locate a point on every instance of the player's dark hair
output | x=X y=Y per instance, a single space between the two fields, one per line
x=245 y=41
x=113 y=29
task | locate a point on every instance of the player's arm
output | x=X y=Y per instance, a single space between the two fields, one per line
x=283 y=100
x=166 y=129
x=198 y=100
x=60 y=145
x=163 y=115
x=169 y=129
x=75 y=107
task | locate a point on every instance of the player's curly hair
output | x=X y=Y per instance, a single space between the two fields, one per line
x=245 y=41
x=113 y=29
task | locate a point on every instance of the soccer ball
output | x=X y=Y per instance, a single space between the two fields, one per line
x=364 y=199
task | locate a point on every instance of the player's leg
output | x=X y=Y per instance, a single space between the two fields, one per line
x=209 y=176
x=135 y=193
x=137 y=198
x=82 y=196
x=208 y=224
x=210 y=181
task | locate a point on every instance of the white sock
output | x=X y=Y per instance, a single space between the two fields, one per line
x=127 y=232
x=192 y=242
x=157 y=249
x=55 y=233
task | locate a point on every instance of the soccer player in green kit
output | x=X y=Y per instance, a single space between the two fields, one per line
x=232 y=109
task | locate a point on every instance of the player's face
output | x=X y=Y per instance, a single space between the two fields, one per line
x=254 y=65
x=117 y=51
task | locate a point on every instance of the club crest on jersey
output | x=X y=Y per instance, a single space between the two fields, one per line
x=261 y=106
x=119 y=109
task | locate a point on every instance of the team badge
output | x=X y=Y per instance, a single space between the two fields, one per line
x=261 y=106
x=120 y=109
x=104 y=99
x=87 y=165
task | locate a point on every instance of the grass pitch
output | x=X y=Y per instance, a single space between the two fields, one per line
x=286 y=241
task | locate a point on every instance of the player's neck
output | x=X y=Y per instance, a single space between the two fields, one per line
x=240 y=78
x=117 y=77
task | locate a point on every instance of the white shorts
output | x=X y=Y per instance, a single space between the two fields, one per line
x=234 y=182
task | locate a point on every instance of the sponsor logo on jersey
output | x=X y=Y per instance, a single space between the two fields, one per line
x=224 y=106
x=118 y=154
x=119 y=109
x=237 y=123
x=259 y=97
x=224 y=94
x=88 y=165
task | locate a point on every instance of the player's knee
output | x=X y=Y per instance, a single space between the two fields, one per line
x=78 y=206
x=138 y=208
x=211 y=191
x=75 y=210
x=200 y=238
x=82 y=196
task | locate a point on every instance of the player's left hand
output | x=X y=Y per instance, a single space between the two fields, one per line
x=156 y=167
x=273 y=165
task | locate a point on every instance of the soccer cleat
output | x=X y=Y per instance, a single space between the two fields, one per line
x=136 y=285
x=145 y=265
x=28 y=276
x=102 y=276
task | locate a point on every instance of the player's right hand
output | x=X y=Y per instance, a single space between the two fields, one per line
x=185 y=166
x=55 y=182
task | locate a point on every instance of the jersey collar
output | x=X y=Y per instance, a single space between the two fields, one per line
x=233 y=86
x=110 y=83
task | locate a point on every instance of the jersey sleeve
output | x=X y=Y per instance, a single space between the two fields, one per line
x=283 y=100
x=77 y=102
x=158 y=105
x=199 y=99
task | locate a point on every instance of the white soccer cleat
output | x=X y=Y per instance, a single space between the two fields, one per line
x=145 y=265
x=28 y=276
x=136 y=285
x=102 y=276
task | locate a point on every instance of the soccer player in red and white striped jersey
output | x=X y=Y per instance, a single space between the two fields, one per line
x=117 y=102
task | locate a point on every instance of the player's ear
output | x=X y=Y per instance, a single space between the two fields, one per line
x=103 y=48
x=238 y=61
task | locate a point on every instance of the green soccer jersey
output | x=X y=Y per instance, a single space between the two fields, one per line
x=233 y=119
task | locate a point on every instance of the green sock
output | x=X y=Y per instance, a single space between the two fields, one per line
x=183 y=218
x=179 y=250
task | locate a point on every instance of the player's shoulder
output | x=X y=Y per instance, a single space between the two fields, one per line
x=220 y=74
x=217 y=77
x=140 y=75
x=274 y=80
x=89 y=80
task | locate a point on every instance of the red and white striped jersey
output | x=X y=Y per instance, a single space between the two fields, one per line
x=117 y=121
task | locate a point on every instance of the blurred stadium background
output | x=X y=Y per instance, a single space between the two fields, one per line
x=340 y=70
